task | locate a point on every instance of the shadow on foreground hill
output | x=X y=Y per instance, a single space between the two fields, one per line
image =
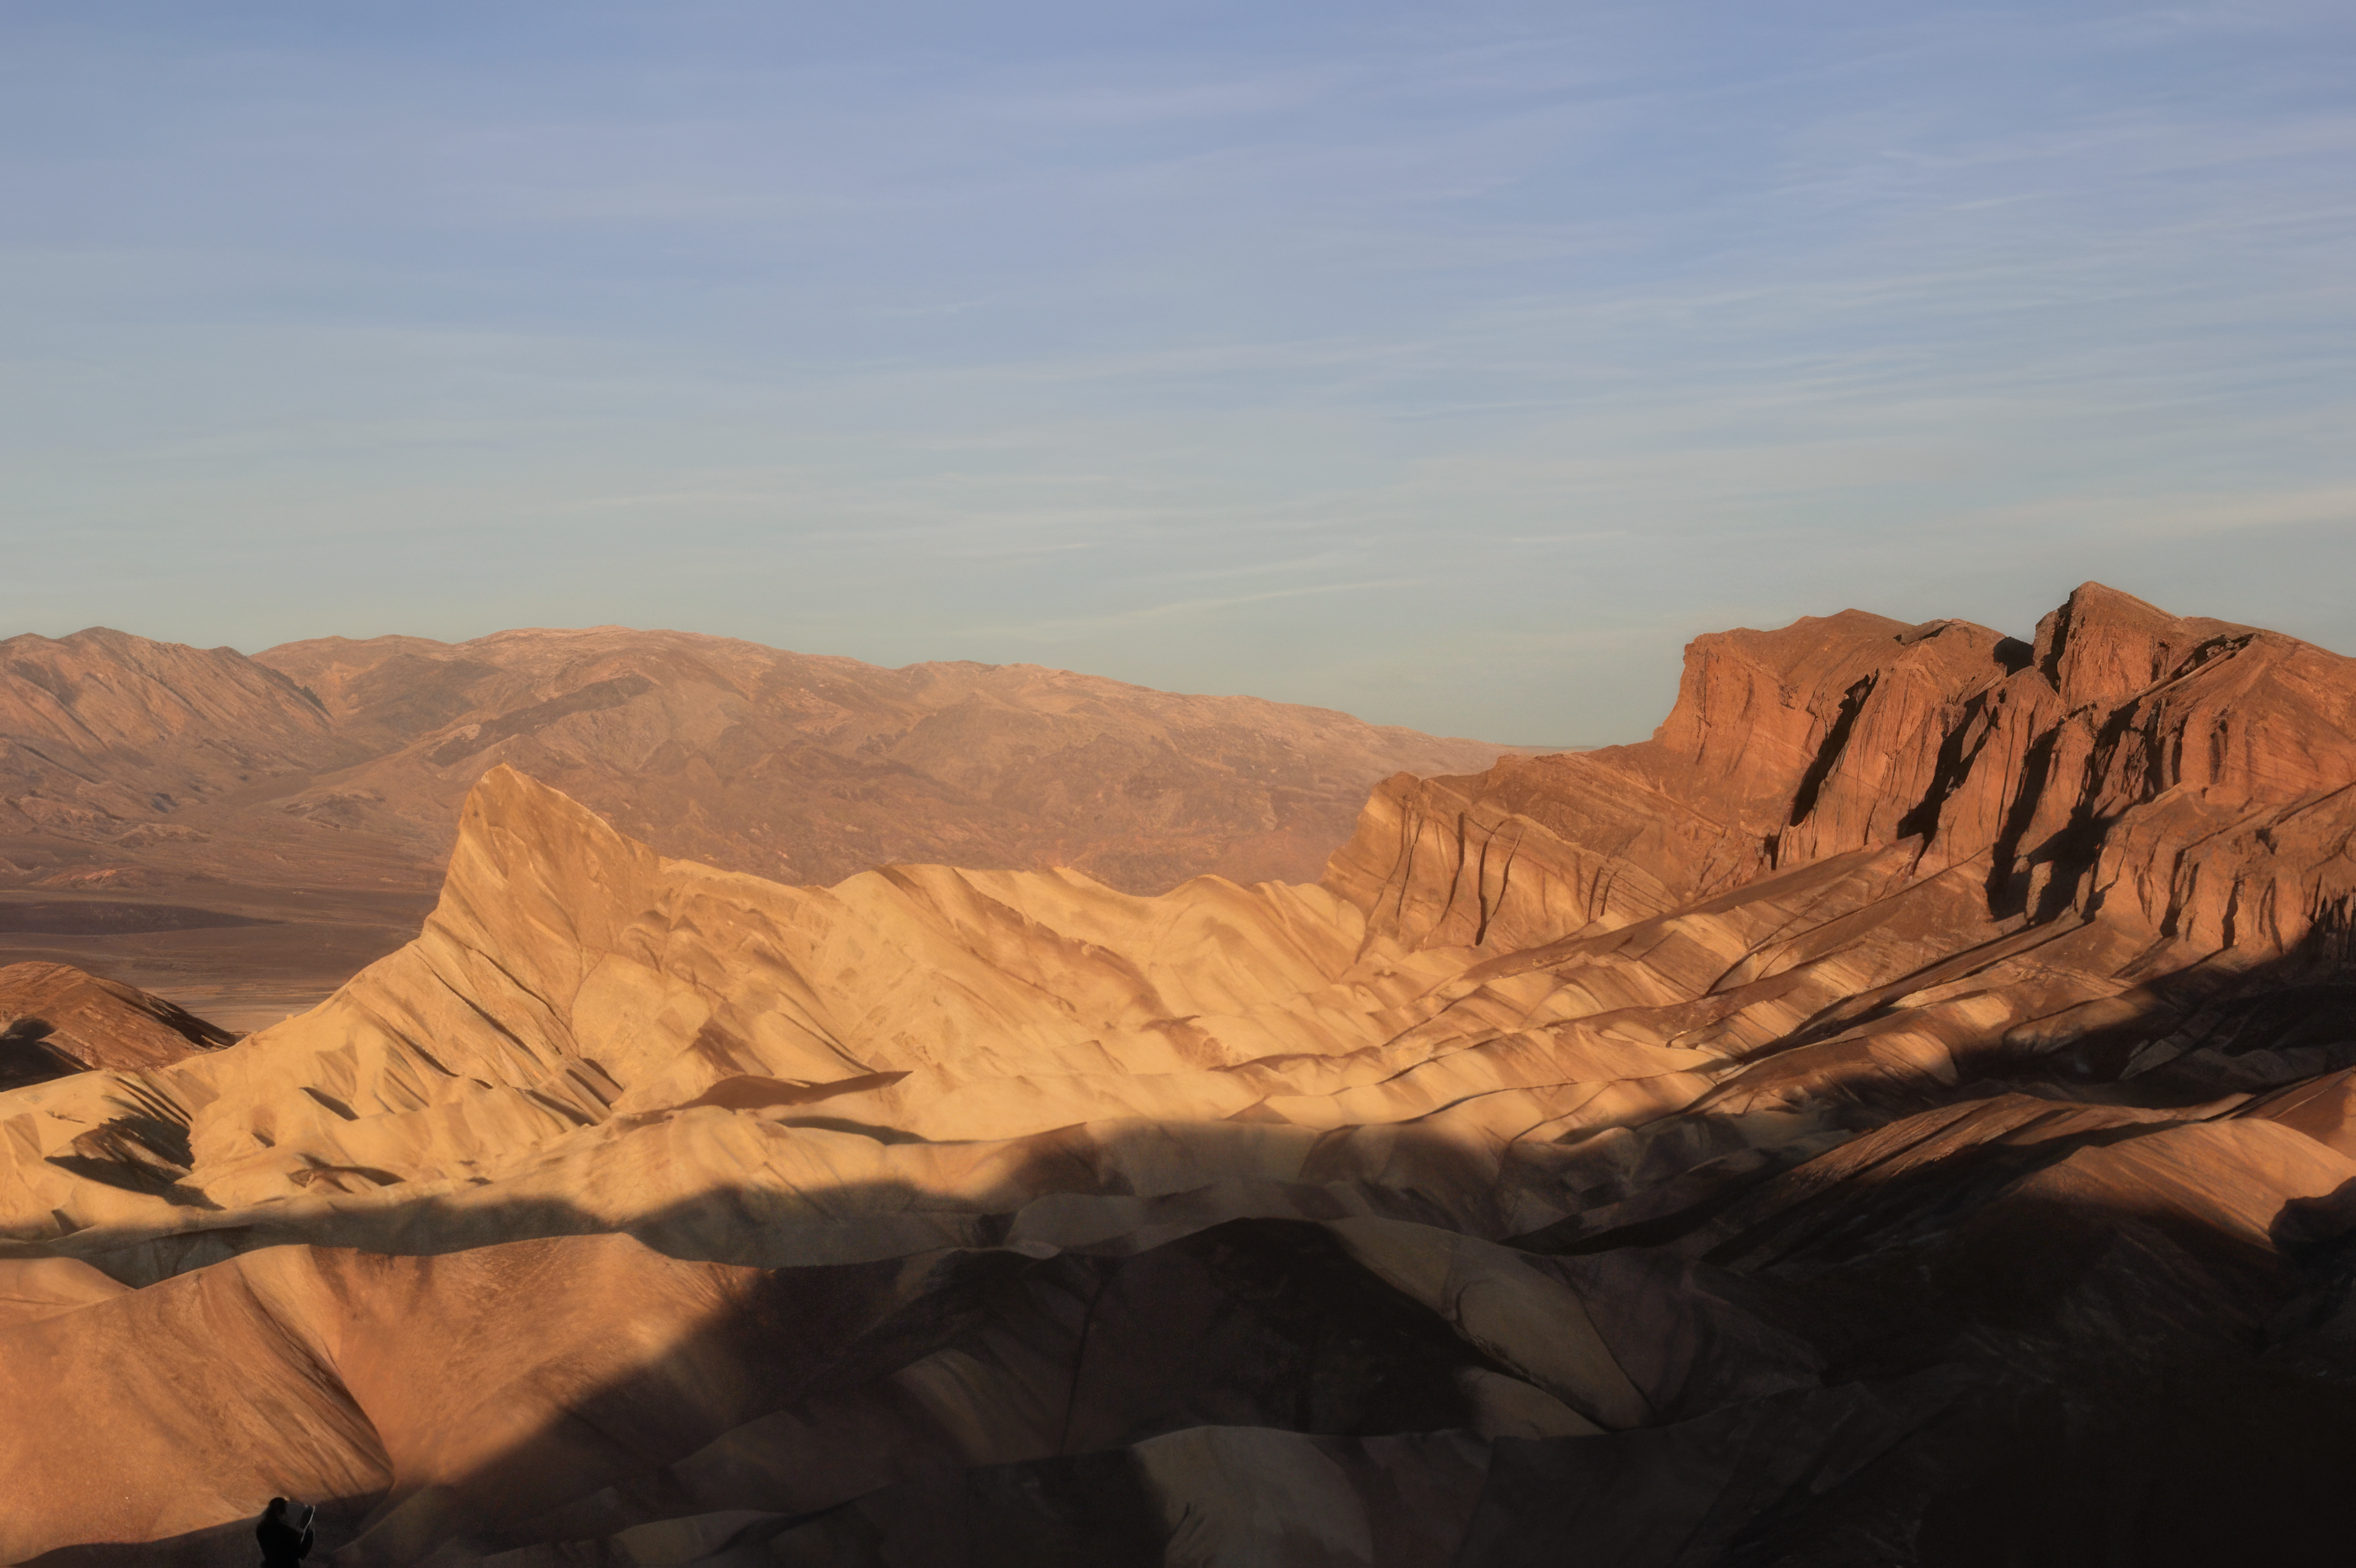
x=1904 y=1114
x=2012 y=1351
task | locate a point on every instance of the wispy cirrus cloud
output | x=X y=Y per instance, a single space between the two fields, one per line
x=1484 y=355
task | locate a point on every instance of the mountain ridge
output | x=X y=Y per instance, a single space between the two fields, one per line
x=270 y=726
x=941 y=723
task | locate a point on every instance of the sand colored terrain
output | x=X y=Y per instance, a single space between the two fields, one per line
x=1893 y=1115
x=55 y=1020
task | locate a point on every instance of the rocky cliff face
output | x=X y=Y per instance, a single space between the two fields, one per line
x=1891 y=1116
x=2194 y=770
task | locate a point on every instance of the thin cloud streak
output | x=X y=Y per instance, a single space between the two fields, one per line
x=1058 y=630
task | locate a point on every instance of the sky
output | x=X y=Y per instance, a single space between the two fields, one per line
x=1450 y=364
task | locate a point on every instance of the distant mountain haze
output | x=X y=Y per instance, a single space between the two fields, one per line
x=809 y=769
x=317 y=784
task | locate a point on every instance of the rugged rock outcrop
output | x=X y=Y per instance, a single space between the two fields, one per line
x=1897 y=1115
x=55 y=1021
x=2196 y=769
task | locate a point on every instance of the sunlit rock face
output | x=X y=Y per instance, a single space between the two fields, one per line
x=1903 y=1113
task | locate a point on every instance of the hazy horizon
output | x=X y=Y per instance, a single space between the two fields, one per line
x=1451 y=366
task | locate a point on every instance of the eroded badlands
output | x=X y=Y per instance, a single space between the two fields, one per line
x=1900 y=1114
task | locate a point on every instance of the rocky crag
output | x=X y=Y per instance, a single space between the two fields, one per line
x=1900 y=1114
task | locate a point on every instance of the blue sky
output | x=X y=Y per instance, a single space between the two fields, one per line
x=1452 y=364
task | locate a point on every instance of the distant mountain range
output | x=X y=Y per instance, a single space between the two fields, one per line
x=130 y=765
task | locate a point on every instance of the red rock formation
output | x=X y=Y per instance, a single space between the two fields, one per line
x=2196 y=769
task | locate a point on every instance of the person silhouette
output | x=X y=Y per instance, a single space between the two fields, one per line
x=285 y=1540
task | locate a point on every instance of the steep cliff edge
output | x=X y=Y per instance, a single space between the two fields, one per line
x=2192 y=772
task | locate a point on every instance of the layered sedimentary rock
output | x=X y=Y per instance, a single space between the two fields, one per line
x=55 y=1021
x=1897 y=1115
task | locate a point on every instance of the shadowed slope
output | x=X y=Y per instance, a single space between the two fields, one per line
x=55 y=1021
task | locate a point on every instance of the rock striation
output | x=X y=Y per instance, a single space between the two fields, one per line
x=1898 y=1114
x=2115 y=758
x=55 y=1021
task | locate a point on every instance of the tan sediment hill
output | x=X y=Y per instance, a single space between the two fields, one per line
x=55 y=1021
x=304 y=799
x=1894 y=1116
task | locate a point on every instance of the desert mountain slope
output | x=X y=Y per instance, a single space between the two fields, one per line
x=809 y=769
x=113 y=748
x=252 y=832
x=1893 y=1115
x=249 y=833
x=158 y=719
x=127 y=764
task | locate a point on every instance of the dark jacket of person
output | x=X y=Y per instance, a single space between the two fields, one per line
x=283 y=1546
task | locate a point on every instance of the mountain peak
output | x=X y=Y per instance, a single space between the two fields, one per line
x=2102 y=645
